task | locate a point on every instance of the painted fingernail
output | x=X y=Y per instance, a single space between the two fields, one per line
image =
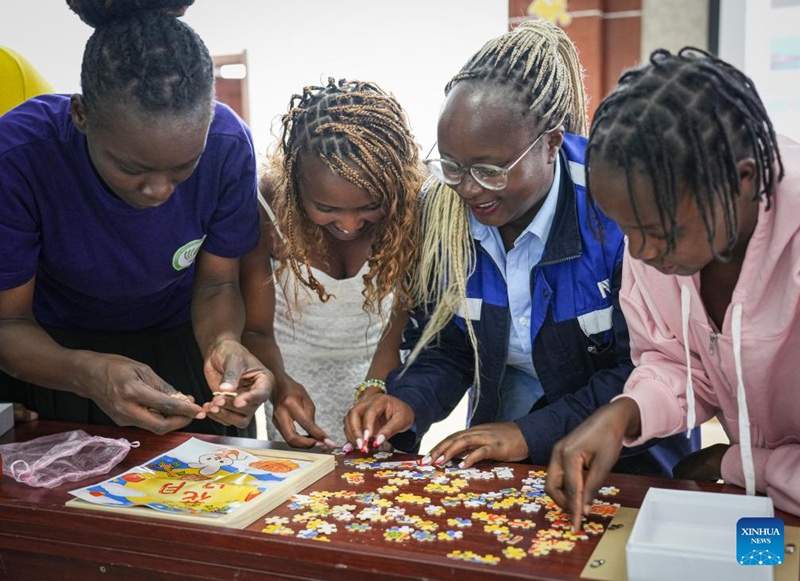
x=347 y=448
x=359 y=443
x=380 y=440
x=225 y=386
x=319 y=444
x=329 y=443
x=366 y=436
x=439 y=460
x=461 y=465
x=214 y=409
x=425 y=460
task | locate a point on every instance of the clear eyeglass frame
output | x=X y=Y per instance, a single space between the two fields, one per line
x=491 y=177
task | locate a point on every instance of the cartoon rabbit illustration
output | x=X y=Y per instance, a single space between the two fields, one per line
x=211 y=463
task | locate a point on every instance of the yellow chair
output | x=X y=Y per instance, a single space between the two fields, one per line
x=19 y=80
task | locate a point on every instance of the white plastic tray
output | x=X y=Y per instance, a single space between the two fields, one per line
x=687 y=535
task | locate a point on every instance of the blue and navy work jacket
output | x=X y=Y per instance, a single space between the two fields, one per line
x=580 y=339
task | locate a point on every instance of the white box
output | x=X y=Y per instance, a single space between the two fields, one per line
x=687 y=535
x=6 y=417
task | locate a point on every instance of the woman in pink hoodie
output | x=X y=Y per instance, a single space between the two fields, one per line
x=683 y=157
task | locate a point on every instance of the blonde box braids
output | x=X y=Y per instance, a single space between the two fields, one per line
x=541 y=62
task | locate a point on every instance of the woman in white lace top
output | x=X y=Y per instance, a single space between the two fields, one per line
x=338 y=239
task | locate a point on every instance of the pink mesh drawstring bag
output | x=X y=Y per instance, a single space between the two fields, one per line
x=50 y=461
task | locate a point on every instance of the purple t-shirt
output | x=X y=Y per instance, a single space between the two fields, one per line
x=99 y=263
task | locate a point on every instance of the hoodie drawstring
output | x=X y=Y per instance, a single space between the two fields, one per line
x=741 y=399
x=690 y=412
x=744 y=418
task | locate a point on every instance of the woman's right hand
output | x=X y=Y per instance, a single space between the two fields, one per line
x=132 y=394
x=581 y=461
x=378 y=416
x=291 y=403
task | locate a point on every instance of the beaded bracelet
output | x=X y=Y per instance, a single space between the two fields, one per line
x=379 y=384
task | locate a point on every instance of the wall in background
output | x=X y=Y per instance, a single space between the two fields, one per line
x=673 y=25
x=762 y=37
x=413 y=47
x=410 y=48
x=607 y=34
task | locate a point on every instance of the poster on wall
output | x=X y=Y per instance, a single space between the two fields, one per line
x=780 y=92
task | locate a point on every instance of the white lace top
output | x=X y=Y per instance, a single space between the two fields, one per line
x=326 y=347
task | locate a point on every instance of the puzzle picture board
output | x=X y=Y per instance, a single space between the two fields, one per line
x=207 y=483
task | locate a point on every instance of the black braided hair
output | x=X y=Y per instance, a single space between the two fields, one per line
x=539 y=64
x=686 y=120
x=96 y=13
x=141 y=53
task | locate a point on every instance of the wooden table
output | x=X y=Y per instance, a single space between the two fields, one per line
x=41 y=539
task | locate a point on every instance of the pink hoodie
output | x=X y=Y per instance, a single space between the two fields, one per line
x=754 y=354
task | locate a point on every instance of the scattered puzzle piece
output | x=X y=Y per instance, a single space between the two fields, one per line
x=496 y=529
x=434 y=510
x=593 y=528
x=450 y=535
x=326 y=528
x=358 y=527
x=427 y=525
x=531 y=507
x=277 y=529
x=424 y=536
x=409 y=498
x=604 y=509
x=473 y=557
x=514 y=553
x=570 y=536
x=394 y=485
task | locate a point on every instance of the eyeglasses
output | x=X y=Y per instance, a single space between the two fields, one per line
x=491 y=177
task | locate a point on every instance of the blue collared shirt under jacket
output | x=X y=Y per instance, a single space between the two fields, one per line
x=580 y=340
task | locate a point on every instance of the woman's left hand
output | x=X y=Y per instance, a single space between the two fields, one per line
x=232 y=369
x=705 y=464
x=503 y=442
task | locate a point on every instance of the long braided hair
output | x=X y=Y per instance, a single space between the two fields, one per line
x=141 y=53
x=687 y=119
x=538 y=65
x=361 y=133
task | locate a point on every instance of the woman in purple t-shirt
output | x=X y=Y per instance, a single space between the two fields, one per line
x=126 y=209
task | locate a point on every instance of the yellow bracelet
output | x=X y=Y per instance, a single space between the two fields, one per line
x=379 y=384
